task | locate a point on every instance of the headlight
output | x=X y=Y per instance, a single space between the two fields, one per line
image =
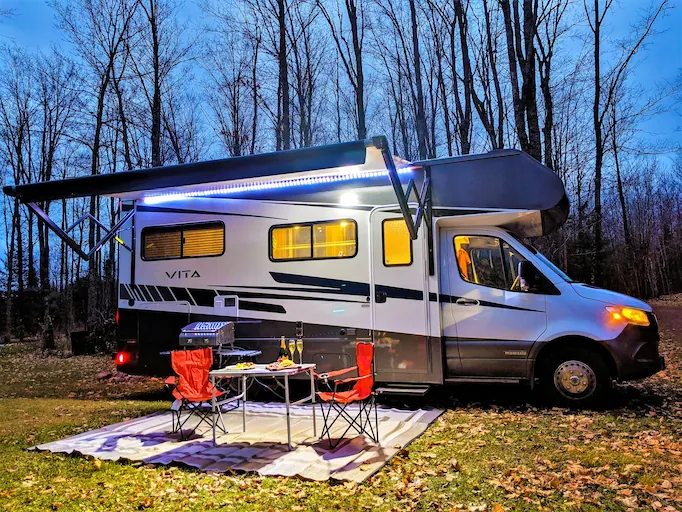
x=629 y=315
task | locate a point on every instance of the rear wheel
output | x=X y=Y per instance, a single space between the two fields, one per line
x=575 y=377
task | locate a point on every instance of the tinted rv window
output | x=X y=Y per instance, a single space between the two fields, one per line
x=291 y=243
x=183 y=241
x=314 y=240
x=479 y=260
x=397 y=243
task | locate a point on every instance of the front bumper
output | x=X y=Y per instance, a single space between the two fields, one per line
x=635 y=351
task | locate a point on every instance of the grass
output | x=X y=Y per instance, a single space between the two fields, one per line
x=494 y=449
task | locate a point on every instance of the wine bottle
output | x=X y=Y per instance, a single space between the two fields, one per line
x=282 y=348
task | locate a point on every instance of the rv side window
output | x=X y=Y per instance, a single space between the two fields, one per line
x=183 y=241
x=314 y=240
x=291 y=243
x=488 y=261
x=479 y=260
x=397 y=243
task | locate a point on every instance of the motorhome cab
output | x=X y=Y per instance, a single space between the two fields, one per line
x=345 y=243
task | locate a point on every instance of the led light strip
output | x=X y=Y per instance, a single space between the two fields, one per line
x=269 y=185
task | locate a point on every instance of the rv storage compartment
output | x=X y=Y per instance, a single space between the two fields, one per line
x=207 y=334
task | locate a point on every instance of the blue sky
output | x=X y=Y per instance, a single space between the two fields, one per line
x=33 y=27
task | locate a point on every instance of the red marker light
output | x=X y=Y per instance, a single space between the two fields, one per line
x=116 y=317
x=122 y=358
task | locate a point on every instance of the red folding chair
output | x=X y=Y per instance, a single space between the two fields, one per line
x=192 y=388
x=360 y=393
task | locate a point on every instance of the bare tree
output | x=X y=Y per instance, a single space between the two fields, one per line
x=350 y=53
x=98 y=30
x=605 y=88
x=521 y=54
x=160 y=50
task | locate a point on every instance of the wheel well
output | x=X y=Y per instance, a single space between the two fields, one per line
x=575 y=341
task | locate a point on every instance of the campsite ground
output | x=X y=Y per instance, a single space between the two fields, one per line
x=495 y=448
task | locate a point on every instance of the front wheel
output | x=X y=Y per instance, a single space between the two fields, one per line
x=575 y=377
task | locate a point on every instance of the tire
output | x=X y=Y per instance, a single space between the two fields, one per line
x=575 y=377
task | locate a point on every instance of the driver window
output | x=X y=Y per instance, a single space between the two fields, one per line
x=488 y=261
x=479 y=260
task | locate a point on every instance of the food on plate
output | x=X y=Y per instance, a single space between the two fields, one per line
x=282 y=364
x=245 y=365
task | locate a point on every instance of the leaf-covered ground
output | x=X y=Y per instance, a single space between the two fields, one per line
x=496 y=448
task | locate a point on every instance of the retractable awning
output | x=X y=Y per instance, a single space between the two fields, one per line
x=335 y=162
x=143 y=182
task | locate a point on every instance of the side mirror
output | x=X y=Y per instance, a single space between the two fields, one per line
x=528 y=277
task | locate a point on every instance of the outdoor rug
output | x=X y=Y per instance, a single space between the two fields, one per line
x=262 y=448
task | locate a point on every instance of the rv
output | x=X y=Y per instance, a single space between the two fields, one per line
x=345 y=243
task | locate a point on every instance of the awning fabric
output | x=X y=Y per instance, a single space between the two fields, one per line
x=212 y=171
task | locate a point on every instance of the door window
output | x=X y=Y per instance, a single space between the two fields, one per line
x=487 y=261
x=397 y=243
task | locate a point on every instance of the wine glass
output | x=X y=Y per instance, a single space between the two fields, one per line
x=299 y=346
x=292 y=348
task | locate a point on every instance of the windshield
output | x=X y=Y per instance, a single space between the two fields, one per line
x=551 y=265
x=542 y=258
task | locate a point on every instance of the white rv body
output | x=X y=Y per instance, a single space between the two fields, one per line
x=473 y=302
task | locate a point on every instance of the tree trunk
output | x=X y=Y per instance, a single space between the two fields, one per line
x=519 y=118
x=528 y=71
x=619 y=182
x=468 y=79
x=421 y=115
x=599 y=153
x=352 y=9
x=156 y=96
x=285 y=126
x=254 y=84
x=93 y=269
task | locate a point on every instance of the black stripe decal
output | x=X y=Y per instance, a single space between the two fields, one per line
x=137 y=293
x=165 y=209
x=202 y=296
x=155 y=293
x=166 y=294
x=145 y=292
x=400 y=293
x=247 y=305
x=123 y=292
x=181 y=294
x=346 y=287
x=356 y=288
x=255 y=295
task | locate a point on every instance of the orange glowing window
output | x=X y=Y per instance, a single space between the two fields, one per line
x=314 y=240
x=397 y=243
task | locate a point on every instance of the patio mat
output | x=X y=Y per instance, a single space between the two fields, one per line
x=262 y=448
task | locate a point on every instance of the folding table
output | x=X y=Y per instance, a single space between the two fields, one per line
x=260 y=370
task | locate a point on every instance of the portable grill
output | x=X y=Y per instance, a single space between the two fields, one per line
x=207 y=334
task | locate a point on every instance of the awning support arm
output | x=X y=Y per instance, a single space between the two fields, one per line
x=70 y=241
x=403 y=198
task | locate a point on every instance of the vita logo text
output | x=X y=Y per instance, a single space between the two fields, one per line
x=182 y=274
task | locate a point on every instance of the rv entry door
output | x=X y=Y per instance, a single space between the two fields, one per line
x=399 y=300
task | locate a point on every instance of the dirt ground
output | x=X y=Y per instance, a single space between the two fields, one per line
x=495 y=448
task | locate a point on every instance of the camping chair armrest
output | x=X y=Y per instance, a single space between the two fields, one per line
x=326 y=377
x=336 y=373
x=352 y=379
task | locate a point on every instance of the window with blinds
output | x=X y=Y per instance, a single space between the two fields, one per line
x=314 y=240
x=397 y=243
x=183 y=241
